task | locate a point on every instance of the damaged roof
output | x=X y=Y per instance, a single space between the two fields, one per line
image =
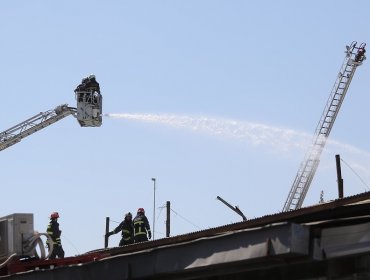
x=323 y=241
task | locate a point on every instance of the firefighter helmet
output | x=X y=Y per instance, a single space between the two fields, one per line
x=128 y=215
x=141 y=210
x=54 y=215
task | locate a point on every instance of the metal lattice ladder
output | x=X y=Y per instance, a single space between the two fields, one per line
x=16 y=133
x=354 y=57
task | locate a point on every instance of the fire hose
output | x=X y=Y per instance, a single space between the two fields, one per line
x=30 y=246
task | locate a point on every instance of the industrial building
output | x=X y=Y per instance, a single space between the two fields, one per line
x=330 y=240
x=325 y=241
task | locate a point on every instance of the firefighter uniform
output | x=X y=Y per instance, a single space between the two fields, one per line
x=54 y=232
x=127 y=229
x=88 y=84
x=141 y=226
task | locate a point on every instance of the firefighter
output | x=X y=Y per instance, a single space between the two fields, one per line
x=141 y=226
x=127 y=229
x=88 y=84
x=360 y=54
x=54 y=232
x=92 y=84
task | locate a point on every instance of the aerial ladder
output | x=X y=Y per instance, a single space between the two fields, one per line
x=354 y=57
x=88 y=113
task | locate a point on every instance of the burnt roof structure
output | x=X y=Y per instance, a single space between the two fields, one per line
x=325 y=241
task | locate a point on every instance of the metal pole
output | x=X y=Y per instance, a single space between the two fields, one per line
x=168 y=220
x=339 y=176
x=106 y=231
x=153 y=179
x=235 y=209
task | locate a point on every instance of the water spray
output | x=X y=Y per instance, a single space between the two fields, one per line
x=254 y=133
x=281 y=140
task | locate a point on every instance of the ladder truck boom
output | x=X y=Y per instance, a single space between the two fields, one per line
x=354 y=57
x=88 y=114
x=16 y=133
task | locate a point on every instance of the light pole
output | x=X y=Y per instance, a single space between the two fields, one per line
x=153 y=179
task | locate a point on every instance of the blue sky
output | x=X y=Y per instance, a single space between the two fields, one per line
x=216 y=98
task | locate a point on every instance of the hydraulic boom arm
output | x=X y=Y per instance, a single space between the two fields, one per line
x=88 y=114
x=16 y=133
x=354 y=57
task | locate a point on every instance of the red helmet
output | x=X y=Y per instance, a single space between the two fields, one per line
x=141 y=210
x=54 y=215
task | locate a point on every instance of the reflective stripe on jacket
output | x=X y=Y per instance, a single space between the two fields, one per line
x=127 y=229
x=54 y=232
x=141 y=225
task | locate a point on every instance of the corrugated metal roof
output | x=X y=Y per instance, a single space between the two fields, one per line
x=297 y=244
